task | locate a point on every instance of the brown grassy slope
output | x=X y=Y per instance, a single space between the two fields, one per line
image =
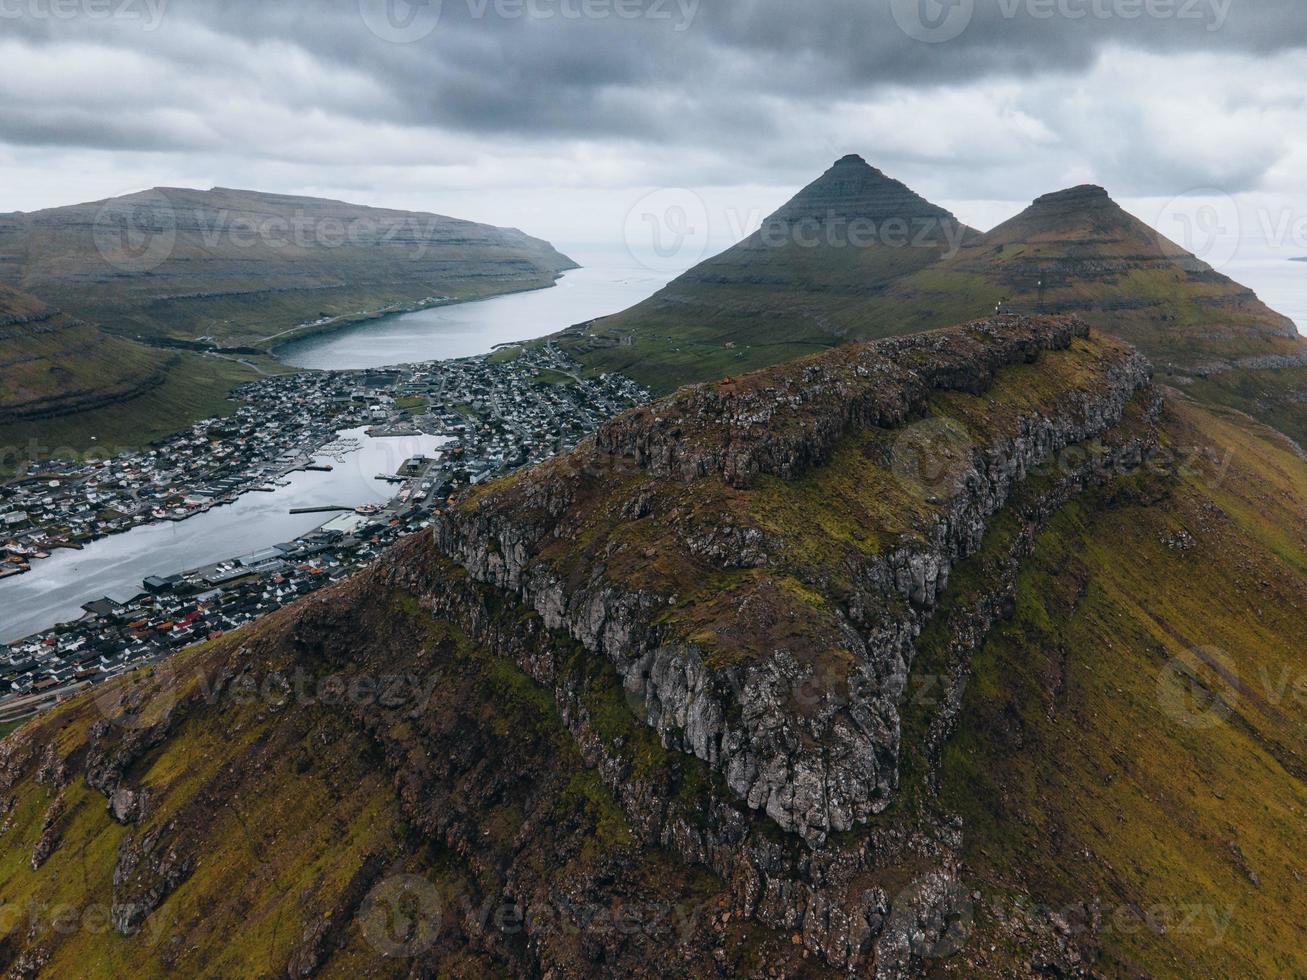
x=1132 y=743
x=1095 y=259
x=289 y=772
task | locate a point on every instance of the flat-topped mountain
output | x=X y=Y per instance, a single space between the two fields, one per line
x=784 y=291
x=243 y=266
x=938 y=655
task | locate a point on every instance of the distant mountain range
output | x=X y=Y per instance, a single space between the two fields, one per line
x=771 y=298
x=241 y=266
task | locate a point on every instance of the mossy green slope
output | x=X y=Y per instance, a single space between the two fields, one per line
x=1077 y=251
x=1105 y=801
x=792 y=288
x=1131 y=747
x=298 y=777
x=67 y=386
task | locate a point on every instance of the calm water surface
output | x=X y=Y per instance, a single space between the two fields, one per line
x=54 y=590
x=467 y=329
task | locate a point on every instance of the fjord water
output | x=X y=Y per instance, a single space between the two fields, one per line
x=54 y=590
x=610 y=282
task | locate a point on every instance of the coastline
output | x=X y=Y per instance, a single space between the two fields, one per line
x=309 y=331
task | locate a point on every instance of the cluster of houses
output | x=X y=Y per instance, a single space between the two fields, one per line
x=62 y=503
x=499 y=413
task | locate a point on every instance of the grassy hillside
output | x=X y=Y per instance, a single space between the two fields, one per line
x=64 y=381
x=792 y=288
x=768 y=301
x=52 y=363
x=1078 y=251
x=242 y=267
x=1131 y=745
x=1102 y=730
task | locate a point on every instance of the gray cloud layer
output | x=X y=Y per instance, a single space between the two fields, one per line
x=972 y=98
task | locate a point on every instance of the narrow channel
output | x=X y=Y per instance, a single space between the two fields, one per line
x=56 y=587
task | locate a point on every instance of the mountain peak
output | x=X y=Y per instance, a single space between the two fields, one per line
x=1082 y=194
x=1075 y=213
x=853 y=189
x=852 y=159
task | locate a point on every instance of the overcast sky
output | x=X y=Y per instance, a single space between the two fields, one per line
x=558 y=116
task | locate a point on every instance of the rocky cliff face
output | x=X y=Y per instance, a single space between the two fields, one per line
x=806 y=730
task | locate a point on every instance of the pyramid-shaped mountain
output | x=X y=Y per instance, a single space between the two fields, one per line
x=852 y=189
x=791 y=288
x=814 y=276
x=1078 y=251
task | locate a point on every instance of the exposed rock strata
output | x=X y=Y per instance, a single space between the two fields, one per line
x=830 y=761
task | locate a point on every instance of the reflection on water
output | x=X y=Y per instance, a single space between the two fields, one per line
x=467 y=329
x=54 y=590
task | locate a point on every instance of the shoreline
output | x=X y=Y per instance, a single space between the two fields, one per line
x=305 y=463
x=310 y=331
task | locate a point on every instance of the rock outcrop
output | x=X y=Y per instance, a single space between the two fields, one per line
x=806 y=731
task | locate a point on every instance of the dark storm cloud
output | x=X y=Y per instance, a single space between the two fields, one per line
x=571 y=67
x=731 y=87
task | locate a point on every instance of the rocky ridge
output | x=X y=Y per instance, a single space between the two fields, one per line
x=826 y=760
x=565 y=777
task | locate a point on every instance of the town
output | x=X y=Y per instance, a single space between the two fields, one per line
x=496 y=413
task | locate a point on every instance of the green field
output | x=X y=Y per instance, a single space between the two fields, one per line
x=195 y=388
